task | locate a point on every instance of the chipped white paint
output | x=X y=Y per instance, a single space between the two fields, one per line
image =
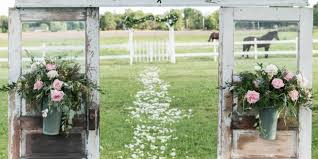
x=305 y=67
x=92 y=70
x=53 y=14
x=15 y=43
x=226 y=66
x=304 y=17
x=248 y=144
x=153 y=3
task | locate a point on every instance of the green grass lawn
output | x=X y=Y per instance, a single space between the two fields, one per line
x=193 y=86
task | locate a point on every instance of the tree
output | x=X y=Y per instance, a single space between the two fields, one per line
x=316 y=14
x=3 y=24
x=193 y=18
x=57 y=26
x=107 y=21
x=212 y=21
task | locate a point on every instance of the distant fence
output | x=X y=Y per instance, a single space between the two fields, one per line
x=151 y=51
x=155 y=51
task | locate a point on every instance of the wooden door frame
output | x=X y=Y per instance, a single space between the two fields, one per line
x=19 y=15
x=228 y=16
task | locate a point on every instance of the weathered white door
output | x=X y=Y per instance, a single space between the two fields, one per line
x=25 y=133
x=237 y=139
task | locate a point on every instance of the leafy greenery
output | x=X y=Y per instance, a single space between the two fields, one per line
x=170 y=19
x=38 y=86
x=273 y=88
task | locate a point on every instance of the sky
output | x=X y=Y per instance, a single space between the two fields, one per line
x=5 y=4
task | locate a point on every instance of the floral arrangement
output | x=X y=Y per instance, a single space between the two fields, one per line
x=131 y=21
x=270 y=86
x=55 y=83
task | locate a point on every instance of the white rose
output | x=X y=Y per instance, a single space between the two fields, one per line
x=44 y=113
x=303 y=83
x=52 y=74
x=34 y=66
x=257 y=68
x=271 y=70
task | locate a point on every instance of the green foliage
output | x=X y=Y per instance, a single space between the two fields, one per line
x=3 y=24
x=57 y=26
x=261 y=81
x=212 y=21
x=131 y=21
x=108 y=21
x=315 y=14
x=75 y=87
x=193 y=18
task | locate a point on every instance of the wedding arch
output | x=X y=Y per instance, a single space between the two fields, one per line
x=154 y=50
x=236 y=139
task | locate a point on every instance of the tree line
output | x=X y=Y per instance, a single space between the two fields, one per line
x=190 y=19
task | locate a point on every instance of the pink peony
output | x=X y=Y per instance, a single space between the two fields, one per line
x=289 y=76
x=57 y=96
x=50 y=67
x=38 y=85
x=252 y=97
x=57 y=84
x=294 y=95
x=278 y=83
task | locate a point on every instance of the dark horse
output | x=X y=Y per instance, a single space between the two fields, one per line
x=267 y=37
x=214 y=36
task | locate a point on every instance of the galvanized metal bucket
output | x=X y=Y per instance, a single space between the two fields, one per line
x=268 y=123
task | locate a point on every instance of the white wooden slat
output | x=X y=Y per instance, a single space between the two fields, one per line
x=305 y=67
x=15 y=70
x=226 y=66
x=144 y=52
x=53 y=14
x=153 y=3
x=92 y=70
x=136 y=52
x=248 y=144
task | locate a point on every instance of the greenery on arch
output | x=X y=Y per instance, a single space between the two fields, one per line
x=170 y=19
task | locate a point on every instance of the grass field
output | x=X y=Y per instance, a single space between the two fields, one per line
x=193 y=86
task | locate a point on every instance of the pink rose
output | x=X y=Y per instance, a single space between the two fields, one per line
x=294 y=95
x=57 y=84
x=38 y=85
x=289 y=76
x=252 y=97
x=278 y=83
x=57 y=96
x=50 y=67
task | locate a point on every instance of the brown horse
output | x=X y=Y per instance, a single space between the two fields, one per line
x=213 y=36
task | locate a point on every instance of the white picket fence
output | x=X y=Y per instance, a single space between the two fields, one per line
x=160 y=51
x=151 y=51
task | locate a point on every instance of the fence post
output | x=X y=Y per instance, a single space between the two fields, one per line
x=151 y=44
x=215 y=50
x=43 y=51
x=255 y=49
x=296 y=46
x=172 y=45
x=131 y=46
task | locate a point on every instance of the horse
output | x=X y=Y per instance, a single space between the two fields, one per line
x=213 y=36
x=267 y=37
